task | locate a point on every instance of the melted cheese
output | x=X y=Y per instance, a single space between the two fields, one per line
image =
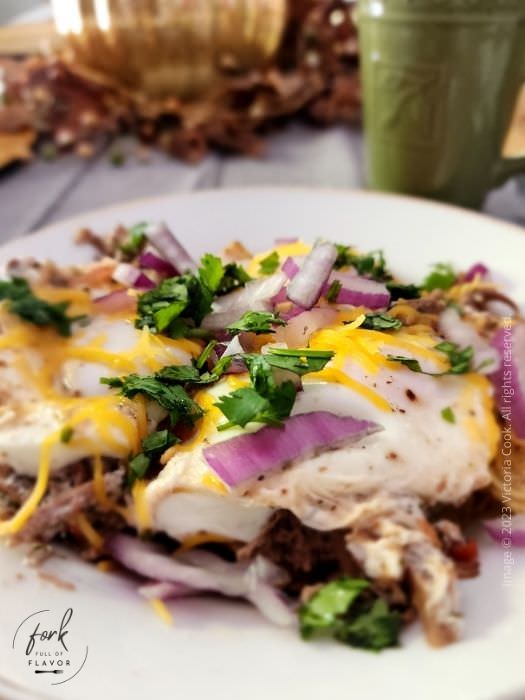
x=288 y=250
x=161 y=610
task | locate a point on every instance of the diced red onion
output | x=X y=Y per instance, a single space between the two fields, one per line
x=458 y=331
x=131 y=276
x=359 y=291
x=509 y=379
x=150 y=261
x=296 y=334
x=208 y=573
x=163 y=240
x=143 y=282
x=256 y=295
x=290 y=268
x=115 y=302
x=306 y=287
x=477 y=270
x=498 y=530
x=251 y=454
x=126 y=274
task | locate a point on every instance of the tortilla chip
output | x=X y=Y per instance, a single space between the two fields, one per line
x=15 y=146
x=514 y=145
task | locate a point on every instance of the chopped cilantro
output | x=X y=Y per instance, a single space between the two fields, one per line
x=152 y=447
x=246 y=405
x=256 y=322
x=172 y=397
x=372 y=265
x=66 y=434
x=339 y=609
x=23 y=303
x=135 y=240
x=234 y=276
x=177 y=305
x=460 y=360
x=117 y=158
x=178 y=374
x=298 y=361
x=269 y=264
x=267 y=400
x=448 y=414
x=211 y=272
x=138 y=467
x=403 y=291
x=333 y=291
x=441 y=277
x=381 y=322
x=409 y=362
x=205 y=354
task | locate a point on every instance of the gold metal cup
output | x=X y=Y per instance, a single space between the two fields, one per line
x=171 y=47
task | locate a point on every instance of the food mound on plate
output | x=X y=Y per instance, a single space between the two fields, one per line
x=299 y=428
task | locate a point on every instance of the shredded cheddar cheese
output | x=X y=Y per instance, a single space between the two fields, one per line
x=161 y=610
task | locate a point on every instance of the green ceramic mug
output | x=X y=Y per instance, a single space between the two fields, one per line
x=440 y=81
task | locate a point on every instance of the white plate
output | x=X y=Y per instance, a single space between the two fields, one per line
x=220 y=649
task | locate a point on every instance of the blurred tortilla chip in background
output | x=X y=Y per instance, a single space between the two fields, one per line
x=15 y=146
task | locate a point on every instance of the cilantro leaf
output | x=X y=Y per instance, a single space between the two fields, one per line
x=442 y=276
x=247 y=405
x=152 y=447
x=340 y=609
x=135 y=240
x=300 y=362
x=324 y=607
x=371 y=265
x=23 y=303
x=381 y=322
x=234 y=276
x=374 y=629
x=256 y=322
x=138 y=467
x=66 y=434
x=409 y=362
x=448 y=414
x=403 y=291
x=269 y=264
x=172 y=397
x=211 y=272
x=333 y=291
x=460 y=359
x=178 y=374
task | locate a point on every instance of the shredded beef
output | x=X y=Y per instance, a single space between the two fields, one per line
x=309 y=556
x=69 y=493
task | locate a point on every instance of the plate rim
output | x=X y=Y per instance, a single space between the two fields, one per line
x=75 y=219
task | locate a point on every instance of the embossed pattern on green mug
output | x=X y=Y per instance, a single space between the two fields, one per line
x=440 y=80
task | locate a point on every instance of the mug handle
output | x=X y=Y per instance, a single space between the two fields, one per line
x=510 y=165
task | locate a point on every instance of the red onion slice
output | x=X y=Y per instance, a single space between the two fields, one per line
x=477 y=270
x=509 y=379
x=207 y=573
x=163 y=240
x=251 y=454
x=131 y=276
x=165 y=590
x=306 y=286
x=499 y=530
x=290 y=268
x=455 y=329
x=254 y=296
x=150 y=261
x=359 y=291
x=115 y=302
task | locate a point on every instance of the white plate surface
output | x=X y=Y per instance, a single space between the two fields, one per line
x=219 y=649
